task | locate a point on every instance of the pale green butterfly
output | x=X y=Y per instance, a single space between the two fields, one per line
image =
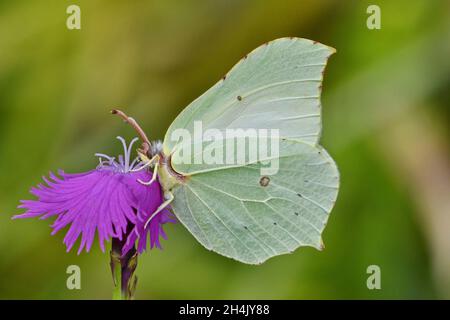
x=233 y=209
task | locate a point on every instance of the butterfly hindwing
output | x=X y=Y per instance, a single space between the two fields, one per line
x=241 y=214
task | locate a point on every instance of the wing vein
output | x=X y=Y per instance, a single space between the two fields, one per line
x=290 y=222
x=218 y=218
x=303 y=218
x=264 y=229
x=234 y=101
x=195 y=219
x=304 y=197
x=246 y=210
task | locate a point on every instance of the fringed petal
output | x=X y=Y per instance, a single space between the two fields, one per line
x=96 y=201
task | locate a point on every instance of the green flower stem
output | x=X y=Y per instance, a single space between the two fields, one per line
x=122 y=269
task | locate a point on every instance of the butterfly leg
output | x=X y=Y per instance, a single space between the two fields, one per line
x=169 y=198
x=155 y=170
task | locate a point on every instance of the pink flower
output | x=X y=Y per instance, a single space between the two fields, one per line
x=104 y=200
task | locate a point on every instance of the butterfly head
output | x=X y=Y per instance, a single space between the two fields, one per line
x=155 y=148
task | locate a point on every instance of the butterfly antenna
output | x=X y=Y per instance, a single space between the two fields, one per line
x=145 y=142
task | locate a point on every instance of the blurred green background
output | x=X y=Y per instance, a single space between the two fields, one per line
x=386 y=123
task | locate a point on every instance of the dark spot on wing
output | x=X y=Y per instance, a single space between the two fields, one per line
x=296 y=213
x=274 y=223
x=239 y=98
x=264 y=181
x=299 y=195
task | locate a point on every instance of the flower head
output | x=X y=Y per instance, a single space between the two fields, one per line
x=104 y=201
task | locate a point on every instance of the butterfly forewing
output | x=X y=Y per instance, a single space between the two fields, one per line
x=276 y=86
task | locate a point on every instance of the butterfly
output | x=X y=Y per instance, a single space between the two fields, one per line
x=234 y=208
